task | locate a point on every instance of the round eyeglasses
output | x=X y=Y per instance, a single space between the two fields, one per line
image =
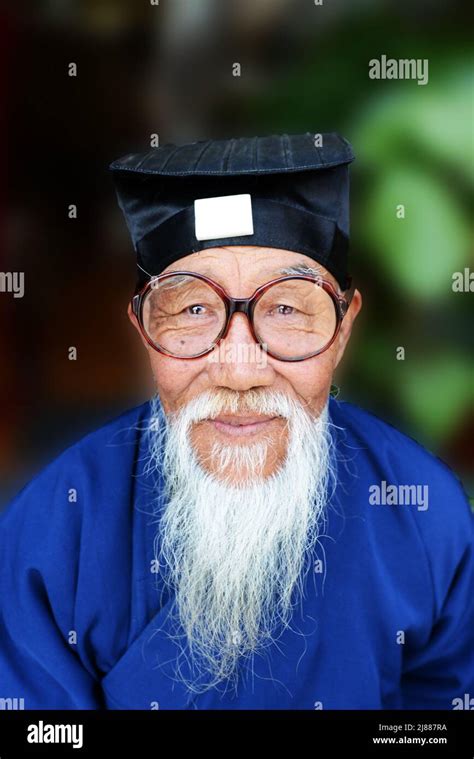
x=185 y=315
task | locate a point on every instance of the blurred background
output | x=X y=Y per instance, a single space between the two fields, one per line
x=166 y=68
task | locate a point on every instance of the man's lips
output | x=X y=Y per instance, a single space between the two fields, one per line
x=233 y=424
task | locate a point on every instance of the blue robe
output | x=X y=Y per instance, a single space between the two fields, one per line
x=387 y=621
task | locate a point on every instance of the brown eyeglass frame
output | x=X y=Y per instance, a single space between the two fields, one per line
x=245 y=306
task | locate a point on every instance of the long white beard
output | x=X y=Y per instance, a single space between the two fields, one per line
x=234 y=554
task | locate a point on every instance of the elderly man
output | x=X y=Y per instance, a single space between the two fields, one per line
x=243 y=540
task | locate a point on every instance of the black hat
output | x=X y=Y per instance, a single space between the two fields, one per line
x=281 y=191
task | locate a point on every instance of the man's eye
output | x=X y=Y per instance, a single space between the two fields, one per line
x=283 y=309
x=196 y=309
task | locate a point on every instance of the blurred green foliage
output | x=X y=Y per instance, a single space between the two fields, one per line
x=416 y=149
x=413 y=147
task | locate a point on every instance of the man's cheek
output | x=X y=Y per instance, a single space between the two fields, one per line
x=310 y=381
x=175 y=380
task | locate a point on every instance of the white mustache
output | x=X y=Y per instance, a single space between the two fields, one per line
x=212 y=403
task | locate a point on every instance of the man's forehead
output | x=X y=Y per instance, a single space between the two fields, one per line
x=264 y=261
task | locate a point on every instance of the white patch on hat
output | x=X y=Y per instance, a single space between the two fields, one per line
x=223 y=216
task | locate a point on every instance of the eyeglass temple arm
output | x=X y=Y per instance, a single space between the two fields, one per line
x=350 y=289
x=135 y=301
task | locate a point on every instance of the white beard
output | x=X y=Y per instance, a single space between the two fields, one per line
x=234 y=554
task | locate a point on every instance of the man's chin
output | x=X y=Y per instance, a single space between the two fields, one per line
x=239 y=476
x=243 y=458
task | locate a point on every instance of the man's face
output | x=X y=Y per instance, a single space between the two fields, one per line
x=240 y=270
x=247 y=468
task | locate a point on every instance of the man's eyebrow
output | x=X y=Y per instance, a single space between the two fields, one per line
x=302 y=268
x=299 y=267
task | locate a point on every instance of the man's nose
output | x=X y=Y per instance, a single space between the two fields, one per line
x=239 y=362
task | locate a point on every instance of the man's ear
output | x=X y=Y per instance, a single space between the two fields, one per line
x=134 y=321
x=346 y=326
